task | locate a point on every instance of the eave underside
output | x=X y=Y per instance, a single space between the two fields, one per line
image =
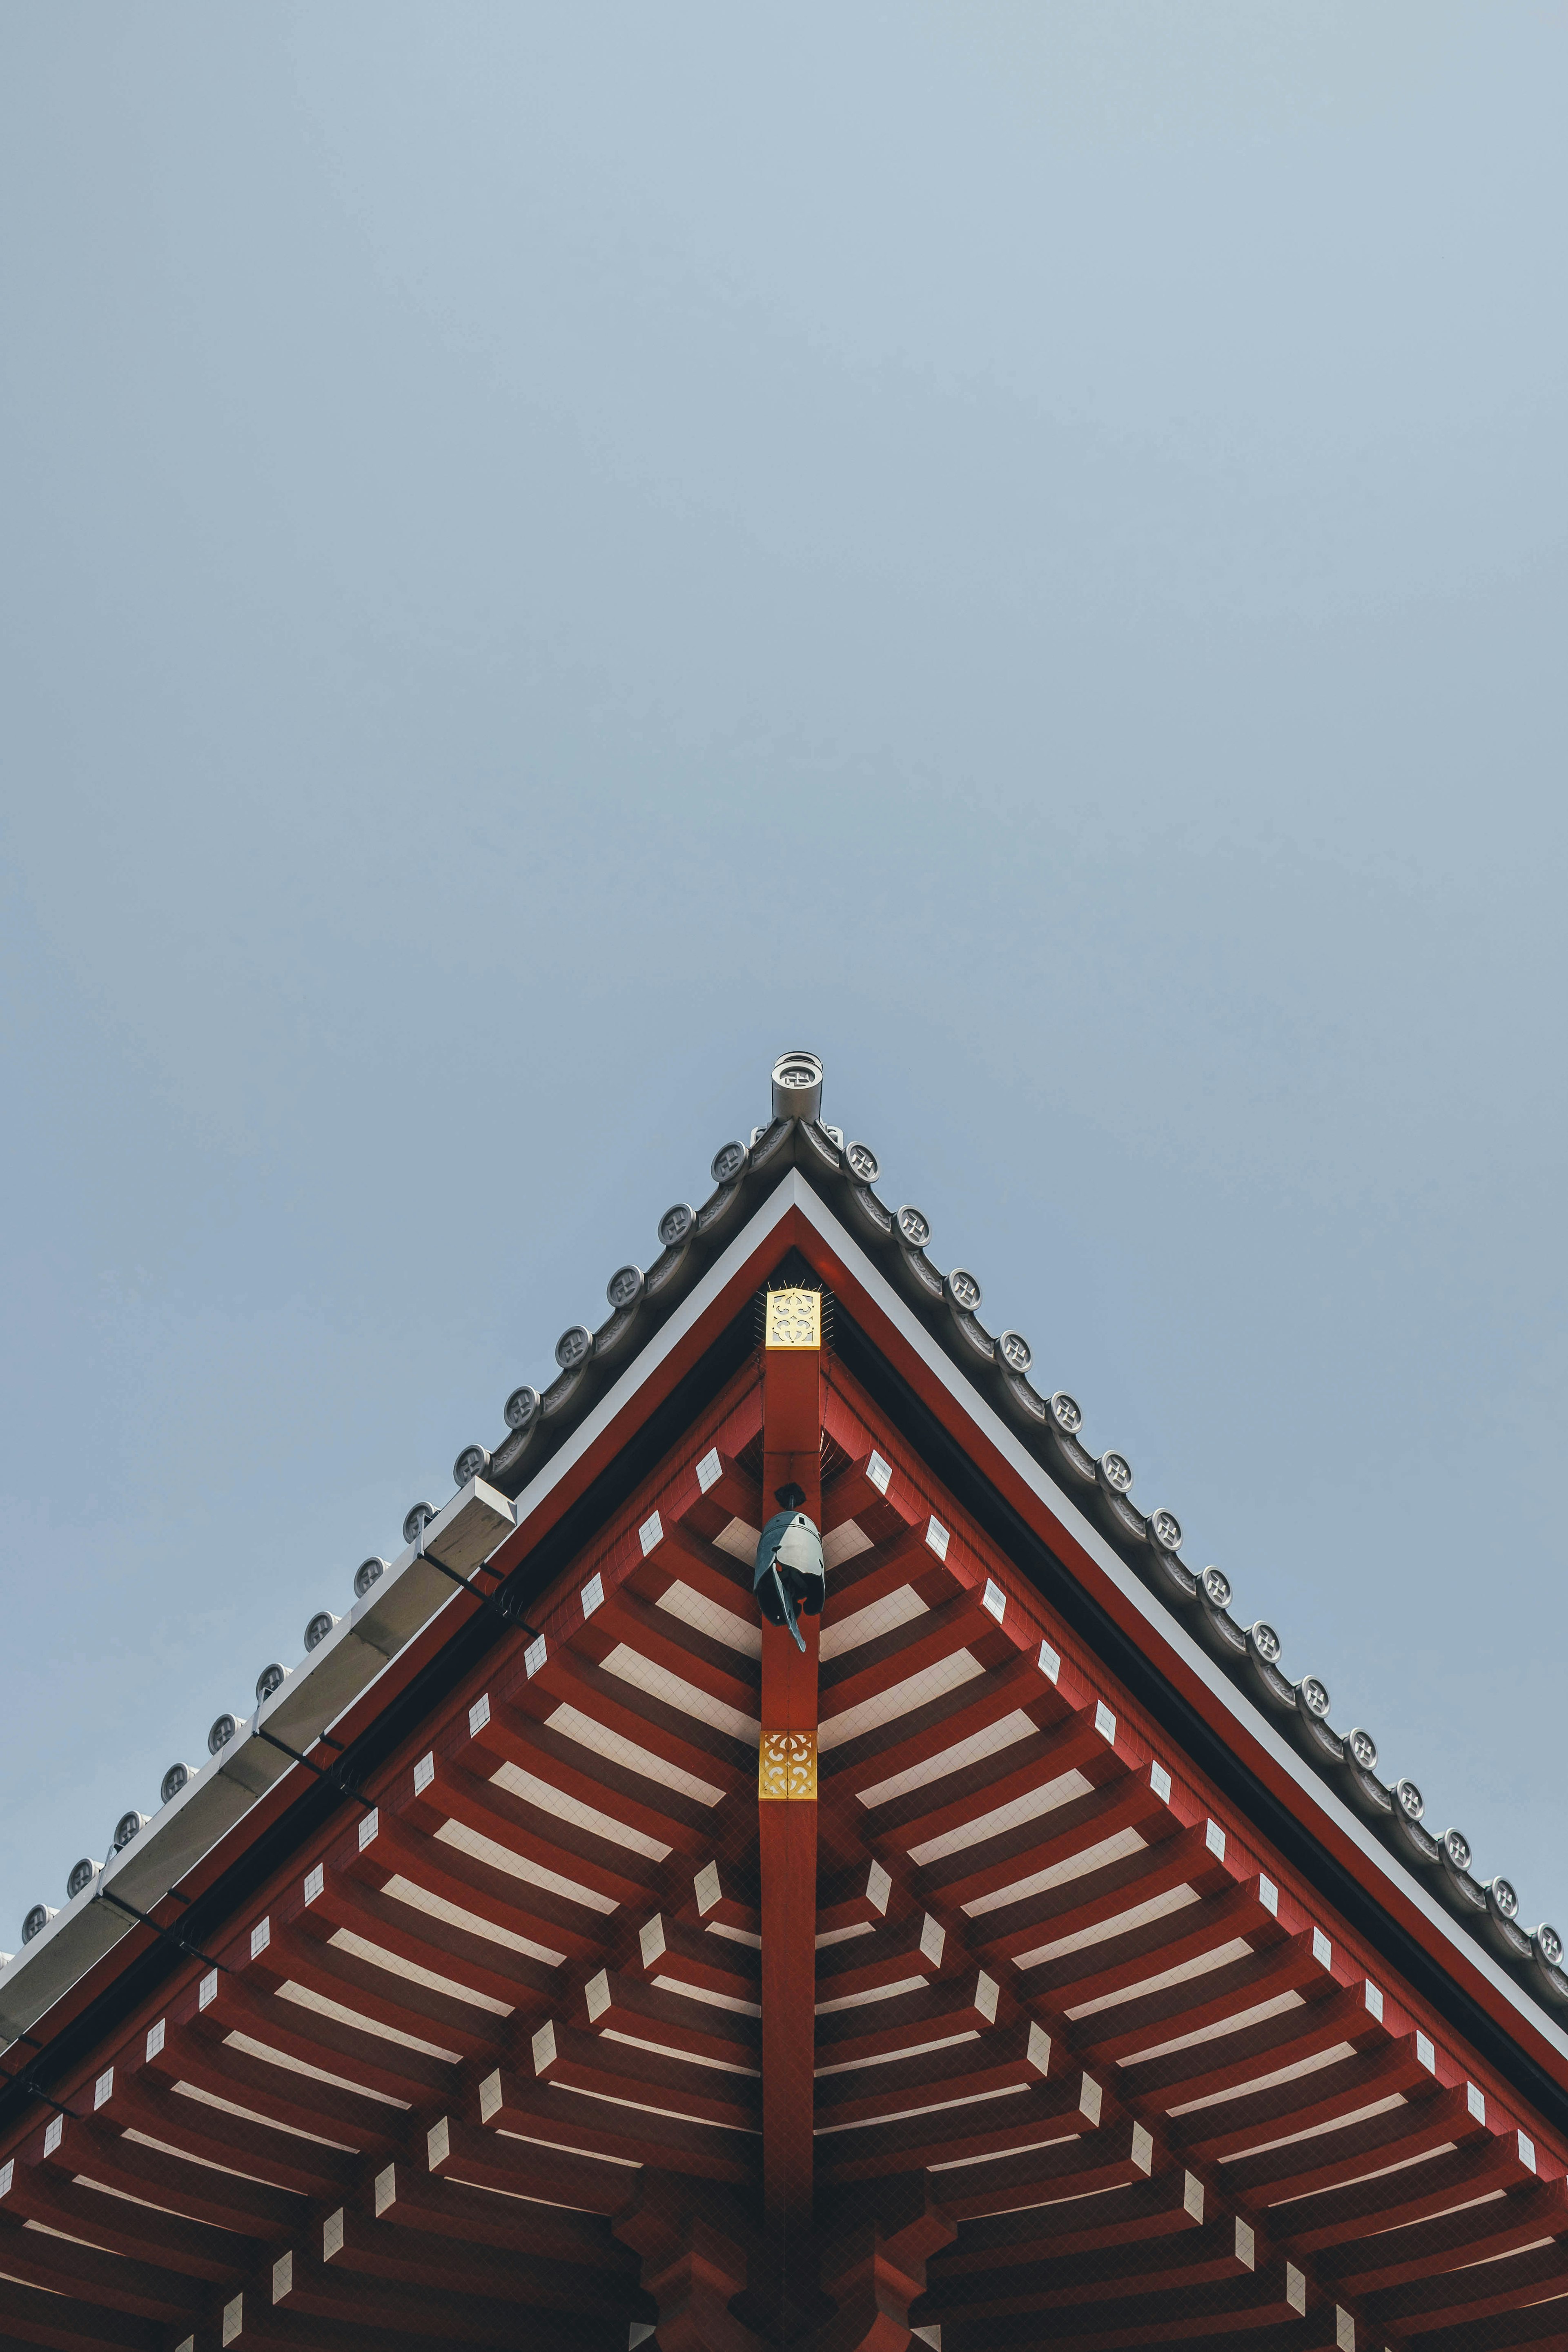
x=1095 y=2067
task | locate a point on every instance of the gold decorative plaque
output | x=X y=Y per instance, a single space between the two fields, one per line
x=794 y=1318
x=786 y=1766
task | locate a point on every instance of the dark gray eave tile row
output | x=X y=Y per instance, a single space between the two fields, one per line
x=998 y=1366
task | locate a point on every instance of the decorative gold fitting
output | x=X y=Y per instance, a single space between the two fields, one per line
x=787 y=1767
x=794 y=1318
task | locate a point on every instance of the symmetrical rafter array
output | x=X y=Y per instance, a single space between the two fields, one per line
x=1091 y=2070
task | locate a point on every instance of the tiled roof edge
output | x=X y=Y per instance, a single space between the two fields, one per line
x=998 y=1365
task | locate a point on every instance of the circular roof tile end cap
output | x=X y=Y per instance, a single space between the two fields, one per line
x=1116 y=1472
x=575 y=1346
x=1363 y=1748
x=1067 y=1413
x=37 y=1920
x=1502 y=1901
x=269 y=1682
x=82 y=1875
x=1261 y=1639
x=130 y=1825
x=862 y=1163
x=676 y=1226
x=729 y=1162
x=963 y=1291
x=223 y=1730
x=1312 y=1697
x=1166 y=1530
x=415 y=1522
x=472 y=1463
x=1548 y=1945
x=369 y=1571
x=521 y=1408
x=176 y=1778
x=1456 y=1848
x=1015 y=1351
x=624 y=1288
x=797 y=1086
x=1409 y=1799
x=319 y=1626
x=912 y=1226
x=1218 y=1591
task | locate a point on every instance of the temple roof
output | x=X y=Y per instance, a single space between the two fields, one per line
x=551 y=1430
x=1022 y=1958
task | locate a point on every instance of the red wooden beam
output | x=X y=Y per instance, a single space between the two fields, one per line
x=1325 y=2095
x=30 y=2314
x=989 y=1865
x=1317 y=2170
x=440 y=2205
x=616 y=2001
x=204 y=2193
x=942 y=2009
x=683 y=1955
x=938 y=1808
x=600 y=2284
x=101 y=2217
x=299 y=2102
x=1477 y=2233
x=354 y=1901
x=1345 y=2215
x=1020 y=2120
x=571 y=1930
x=585 y=1858
x=1485 y=2290
x=1100 y=1896
x=1200 y=2002
x=1120 y=1961
x=1170 y=2265
x=248 y=2003
x=786 y=1796
x=560 y=2117
x=238 y=2143
x=455 y=2149
x=716 y=1669
x=1127 y=2215
x=668 y=1816
x=304 y=1953
x=119 y=2283
x=659 y=2080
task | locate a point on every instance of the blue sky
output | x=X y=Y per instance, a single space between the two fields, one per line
x=554 y=553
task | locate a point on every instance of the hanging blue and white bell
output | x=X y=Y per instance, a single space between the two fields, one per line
x=791 y=1578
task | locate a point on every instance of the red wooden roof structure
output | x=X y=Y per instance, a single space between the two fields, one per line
x=561 y=1958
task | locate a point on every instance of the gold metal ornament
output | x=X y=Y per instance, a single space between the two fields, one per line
x=786 y=1766
x=794 y=1318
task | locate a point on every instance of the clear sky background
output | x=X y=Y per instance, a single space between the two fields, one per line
x=551 y=553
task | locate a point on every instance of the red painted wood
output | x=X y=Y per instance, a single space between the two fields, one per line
x=786 y=1829
x=1016 y=2120
x=206 y=2192
x=354 y=1901
x=29 y=2315
x=1119 y=2217
x=559 y=2117
x=667 y=1815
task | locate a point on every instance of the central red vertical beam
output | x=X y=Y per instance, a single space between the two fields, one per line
x=786 y=1807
